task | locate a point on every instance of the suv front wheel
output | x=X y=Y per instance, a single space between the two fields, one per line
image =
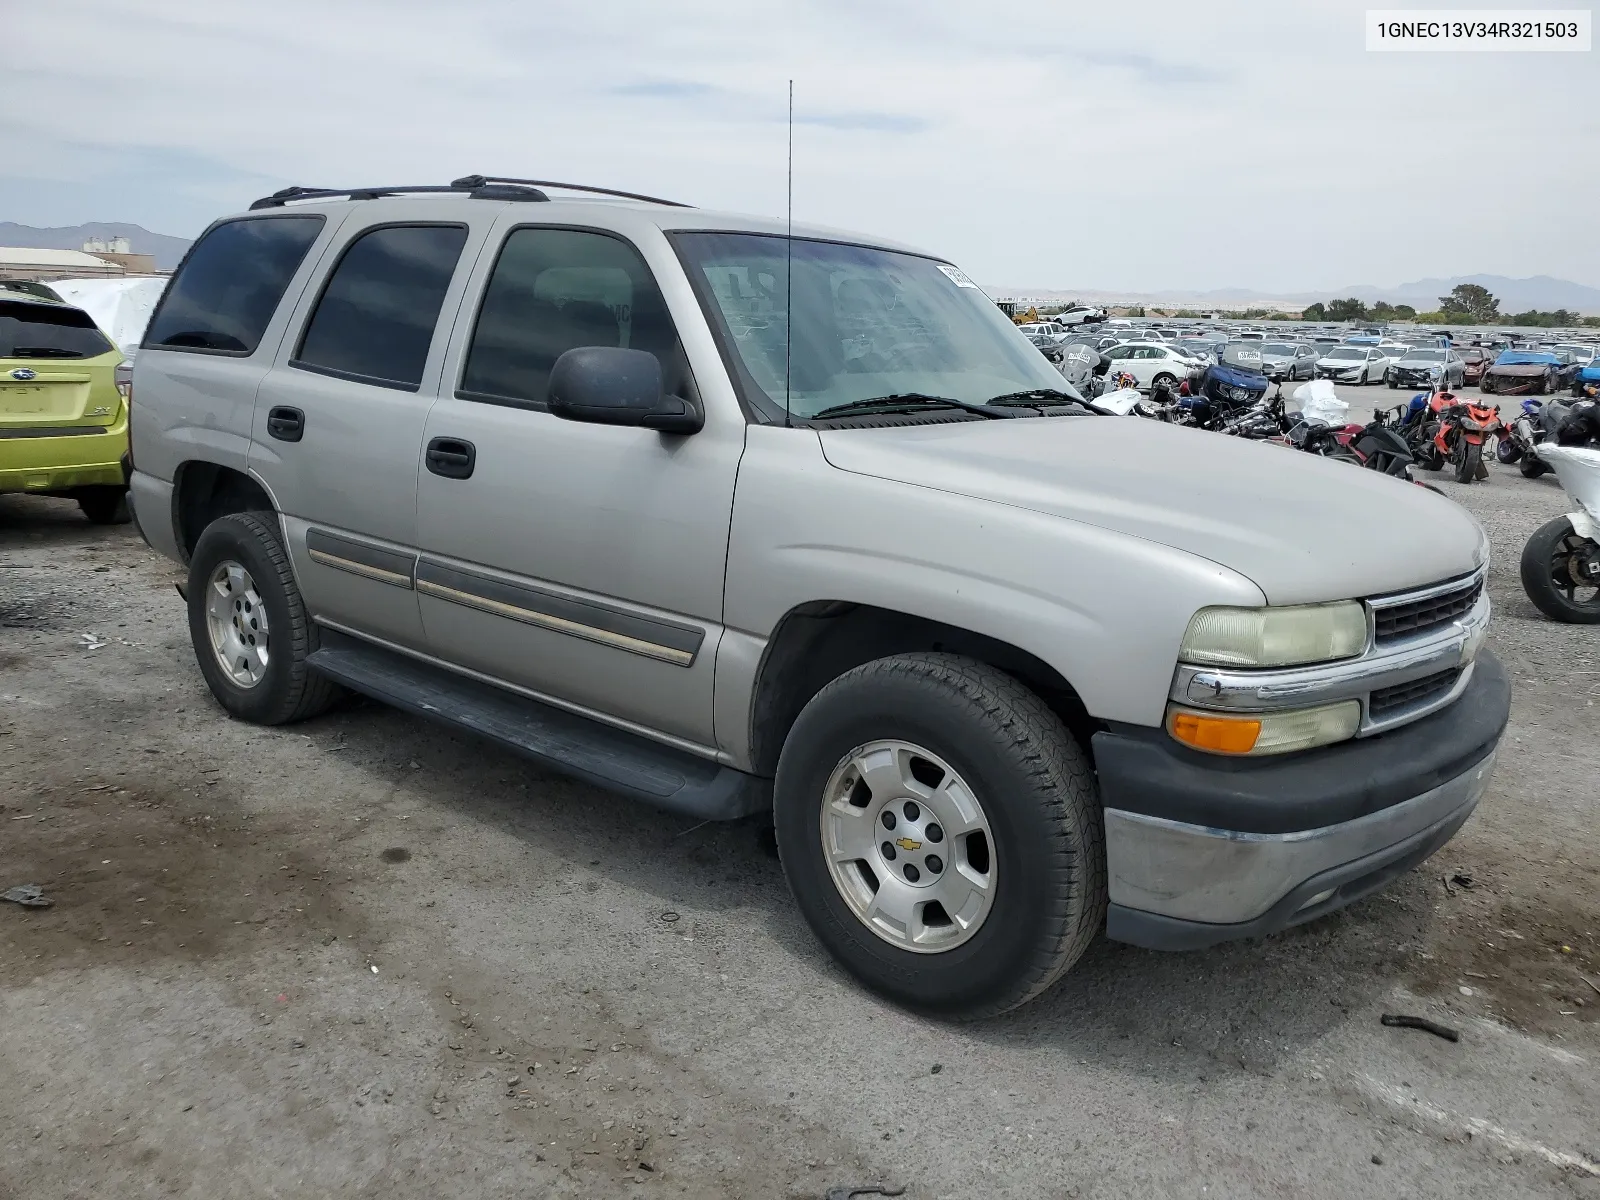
x=249 y=627
x=941 y=833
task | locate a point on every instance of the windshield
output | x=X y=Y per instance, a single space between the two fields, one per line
x=1346 y=352
x=867 y=323
x=1424 y=355
x=32 y=330
x=1278 y=348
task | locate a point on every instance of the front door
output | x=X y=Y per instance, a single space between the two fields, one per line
x=582 y=563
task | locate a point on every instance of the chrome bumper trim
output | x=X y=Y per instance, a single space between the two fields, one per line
x=1223 y=877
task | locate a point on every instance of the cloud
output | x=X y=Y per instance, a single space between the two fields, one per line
x=1074 y=147
x=667 y=89
x=873 y=122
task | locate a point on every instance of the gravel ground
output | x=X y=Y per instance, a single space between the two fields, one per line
x=365 y=957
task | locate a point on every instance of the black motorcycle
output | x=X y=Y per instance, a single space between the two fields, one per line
x=1544 y=421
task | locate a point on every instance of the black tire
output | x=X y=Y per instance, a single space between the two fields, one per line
x=288 y=689
x=1038 y=795
x=1393 y=383
x=1531 y=467
x=1469 y=457
x=1485 y=386
x=1543 y=560
x=1164 y=378
x=105 y=505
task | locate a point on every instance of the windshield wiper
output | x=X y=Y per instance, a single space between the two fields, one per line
x=903 y=402
x=1041 y=397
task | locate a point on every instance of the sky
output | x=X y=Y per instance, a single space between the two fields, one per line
x=1049 y=144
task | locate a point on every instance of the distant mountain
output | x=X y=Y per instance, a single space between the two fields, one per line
x=167 y=250
x=1515 y=295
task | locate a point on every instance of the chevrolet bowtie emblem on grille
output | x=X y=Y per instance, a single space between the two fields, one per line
x=908 y=844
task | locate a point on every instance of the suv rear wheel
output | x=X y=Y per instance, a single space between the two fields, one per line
x=941 y=833
x=249 y=626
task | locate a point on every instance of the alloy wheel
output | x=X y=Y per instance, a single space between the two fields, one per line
x=909 y=846
x=236 y=619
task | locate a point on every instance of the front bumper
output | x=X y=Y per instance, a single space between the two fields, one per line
x=1202 y=850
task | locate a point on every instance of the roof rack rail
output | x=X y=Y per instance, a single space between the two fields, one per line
x=479 y=181
x=483 y=190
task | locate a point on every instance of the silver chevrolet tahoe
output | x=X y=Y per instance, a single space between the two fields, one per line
x=740 y=521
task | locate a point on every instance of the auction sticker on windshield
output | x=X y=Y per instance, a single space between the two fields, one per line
x=957 y=276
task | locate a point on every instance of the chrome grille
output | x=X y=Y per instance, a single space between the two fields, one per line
x=1385 y=701
x=1404 y=618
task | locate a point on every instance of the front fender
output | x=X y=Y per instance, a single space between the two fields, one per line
x=1106 y=610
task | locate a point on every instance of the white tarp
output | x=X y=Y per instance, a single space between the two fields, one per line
x=1319 y=404
x=120 y=307
x=1120 y=402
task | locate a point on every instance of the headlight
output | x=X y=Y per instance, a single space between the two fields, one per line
x=1265 y=733
x=1275 y=637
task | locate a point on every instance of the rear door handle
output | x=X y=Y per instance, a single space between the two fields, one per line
x=286 y=424
x=453 y=458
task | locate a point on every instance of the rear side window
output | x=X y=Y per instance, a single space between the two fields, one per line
x=30 y=330
x=375 y=319
x=230 y=284
x=554 y=290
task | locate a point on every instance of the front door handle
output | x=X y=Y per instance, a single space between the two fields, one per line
x=286 y=424
x=453 y=458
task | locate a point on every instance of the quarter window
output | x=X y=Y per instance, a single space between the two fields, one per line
x=230 y=284
x=375 y=319
x=554 y=290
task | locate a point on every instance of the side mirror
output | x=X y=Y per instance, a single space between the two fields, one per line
x=607 y=385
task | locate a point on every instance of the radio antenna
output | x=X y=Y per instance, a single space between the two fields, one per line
x=788 y=273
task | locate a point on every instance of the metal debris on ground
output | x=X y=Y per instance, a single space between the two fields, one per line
x=1462 y=880
x=1401 y=1021
x=29 y=895
x=871 y=1189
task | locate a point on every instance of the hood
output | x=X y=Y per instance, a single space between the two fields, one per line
x=1302 y=528
x=1342 y=364
x=1532 y=370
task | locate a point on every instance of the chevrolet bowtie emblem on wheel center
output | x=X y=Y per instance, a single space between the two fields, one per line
x=908 y=844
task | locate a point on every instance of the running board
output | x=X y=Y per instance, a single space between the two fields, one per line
x=597 y=753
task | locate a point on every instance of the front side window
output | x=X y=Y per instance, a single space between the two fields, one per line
x=375 y=318
x=44 y=330
x=230 y=284
x=866 y=323
x=555 y=290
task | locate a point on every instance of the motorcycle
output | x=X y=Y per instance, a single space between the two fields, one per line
x=1461 y=430
x=1561 y=562
x=1316 y=429
x=1227 y=395
x=1538 y=422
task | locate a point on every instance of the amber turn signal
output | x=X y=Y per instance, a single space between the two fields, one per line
x=1219 y=735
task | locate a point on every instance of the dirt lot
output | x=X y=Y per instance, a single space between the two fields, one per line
x=364 y=957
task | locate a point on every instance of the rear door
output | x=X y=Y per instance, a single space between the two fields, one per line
x=55 y=371
x=339 y=417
